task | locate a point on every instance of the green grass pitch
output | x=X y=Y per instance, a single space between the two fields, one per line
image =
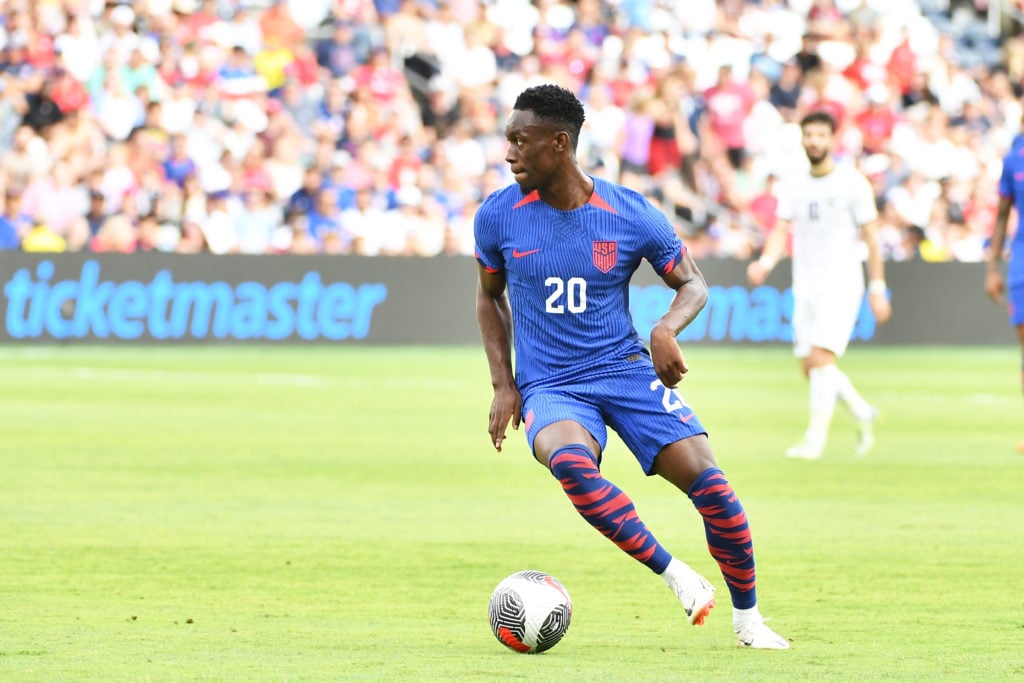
x=327 y=514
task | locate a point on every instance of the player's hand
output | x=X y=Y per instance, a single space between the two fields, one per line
x=507 y=405
x=757 y=273
x=995 y=287
x=669 y=363
x=880 y=306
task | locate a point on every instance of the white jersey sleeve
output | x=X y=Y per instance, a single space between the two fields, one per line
x=785 y=209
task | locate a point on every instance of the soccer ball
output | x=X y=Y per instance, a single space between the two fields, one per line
x=530 y=611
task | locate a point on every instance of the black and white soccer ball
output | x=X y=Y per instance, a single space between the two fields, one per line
x=530 y=611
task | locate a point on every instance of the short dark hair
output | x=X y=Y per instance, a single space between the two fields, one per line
x=555 y=105
x=819 y=116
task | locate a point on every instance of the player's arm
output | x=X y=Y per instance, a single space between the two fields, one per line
x=878 y=297
x=691 y=295
x=494 y=316
x=774 y=250
x=995 y=287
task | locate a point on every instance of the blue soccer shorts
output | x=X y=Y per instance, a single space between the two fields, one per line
x=1015 y=297
x=645 y=414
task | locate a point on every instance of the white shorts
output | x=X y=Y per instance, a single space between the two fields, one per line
x=825 y=320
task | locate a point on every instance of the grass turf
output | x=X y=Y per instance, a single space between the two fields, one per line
x=244 y=513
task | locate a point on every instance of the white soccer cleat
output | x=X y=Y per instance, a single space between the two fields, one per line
x=754 y=634
x=694 y=591
x=866 y=434
x=805 y=450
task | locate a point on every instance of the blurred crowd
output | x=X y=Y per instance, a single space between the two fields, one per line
x=375 y=126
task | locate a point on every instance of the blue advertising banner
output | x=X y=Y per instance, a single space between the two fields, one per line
x=170 y=298
x=205 y=298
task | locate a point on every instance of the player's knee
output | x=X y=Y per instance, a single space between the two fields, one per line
x=682 y=462
x=571 y=460
x=819 y=357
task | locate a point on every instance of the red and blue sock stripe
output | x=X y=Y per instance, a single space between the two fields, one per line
x=605 y=506
x=728 y=534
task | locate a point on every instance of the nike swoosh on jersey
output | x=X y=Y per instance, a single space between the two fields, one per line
x=520 y=254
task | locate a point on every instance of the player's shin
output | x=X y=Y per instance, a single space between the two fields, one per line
x=605 y=506
x=728 y=534
x=848 y=394
x=823 y=393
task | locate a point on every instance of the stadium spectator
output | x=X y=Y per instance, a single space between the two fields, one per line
x=671 y=138
x=877 y=122
x=638 y=133
x=54 y=200
x=94 y=215
x=763 y=206
x=729 y=102
x=14 y=224
x=217 y=223
x=40 y=238
x=178 y=166
x=350 y=82
x=344 y=50
x=325 y=226
x=28 y=157
x=257 y=221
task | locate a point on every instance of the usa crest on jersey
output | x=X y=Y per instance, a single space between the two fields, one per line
x=606 y=255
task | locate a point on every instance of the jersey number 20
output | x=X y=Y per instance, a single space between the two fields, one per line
x=568 y=294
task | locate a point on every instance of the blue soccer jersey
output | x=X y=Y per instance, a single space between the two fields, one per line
x=568 y=275
x=1011 y=186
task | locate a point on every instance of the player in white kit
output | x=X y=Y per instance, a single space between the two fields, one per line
x=830 y=213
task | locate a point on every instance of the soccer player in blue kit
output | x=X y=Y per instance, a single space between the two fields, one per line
x=556 y=252
x=1011 y=194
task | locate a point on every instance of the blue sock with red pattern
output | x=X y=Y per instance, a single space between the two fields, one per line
x=605 y=506
x=728 y=534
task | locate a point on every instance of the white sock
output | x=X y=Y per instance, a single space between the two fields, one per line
x=674 y=569
x=845 y=391
x=823 y=393
x=745 y=616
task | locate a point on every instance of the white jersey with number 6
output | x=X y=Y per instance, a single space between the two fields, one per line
x=827 y=213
